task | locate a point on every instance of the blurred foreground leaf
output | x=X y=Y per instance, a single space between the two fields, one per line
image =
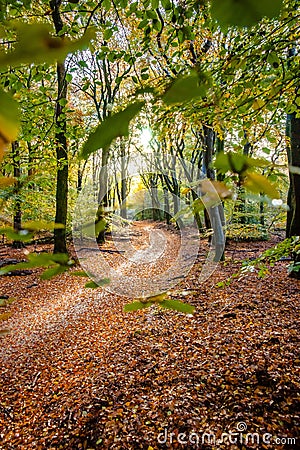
x=9 y=119
x=244 y=13
x=112 y=127
x=36 y=44
x=57 y=263
x=162 y=300
x=256 y=182
x=93 y=285
x=185 y=89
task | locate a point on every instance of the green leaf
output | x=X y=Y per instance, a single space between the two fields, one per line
x=273 y=59
x=185 y=89
x=143 y=24
x=237 y=162
x=107 y=4
x=82 y=64
x=6 y=302
x=112 y=127
x=107 y=34
x=177 y=306
x=233 y=162
x=79 y=273
x=63 y=101
x=39 y=260
x=99 y=283
x=36 y=225
x=256 y=182
x=91 y=284
x=244 y=12
x=60 y=258
x=53 y=271
x=22 y=236
x=135 y=306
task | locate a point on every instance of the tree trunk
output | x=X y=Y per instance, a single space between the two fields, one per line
x=60 y=245
x=123 y=184
x=262 y=212
x=103 y=197
x=241 y=204
x=214 y=218
x=293 y=200
x=189 y=177
x=154 y=197
x=293 y=152
x=17 y=204
x=167 y=215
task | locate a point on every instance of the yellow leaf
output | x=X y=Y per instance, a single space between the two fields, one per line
x=185 y=191
x=6 y=181
x=258 y=103
x=5 y=316
x=153 y=298
x=215 y=189
x=9 y=120
x=258 y=183
x=2 y=148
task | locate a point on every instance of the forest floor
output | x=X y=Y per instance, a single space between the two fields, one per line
x=77 y=372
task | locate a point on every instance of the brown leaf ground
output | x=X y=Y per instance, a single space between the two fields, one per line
x=79 y=373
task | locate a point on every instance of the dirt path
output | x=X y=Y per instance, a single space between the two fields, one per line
x=141 y=259
x=79 y=373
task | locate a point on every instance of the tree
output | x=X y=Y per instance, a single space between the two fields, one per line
x=60 y=245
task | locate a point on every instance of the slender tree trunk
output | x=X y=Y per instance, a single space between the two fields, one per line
x=123 y=184
x=167 y=215
x=154 y=197
x=241 y=203
x=262 y=212
x=17 y=203
x=80 y=172
x=60 y=245
x=30 y=163
x=103 y=197
x=214 y=218
x=189 y=177
x=220 y=149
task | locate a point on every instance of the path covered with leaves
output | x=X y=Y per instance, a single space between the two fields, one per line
x=77 y=372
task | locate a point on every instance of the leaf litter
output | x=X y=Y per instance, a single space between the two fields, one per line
x=77 y=372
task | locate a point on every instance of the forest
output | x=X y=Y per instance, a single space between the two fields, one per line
x=149 y=224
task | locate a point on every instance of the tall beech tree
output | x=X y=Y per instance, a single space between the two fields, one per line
x=60 y=245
